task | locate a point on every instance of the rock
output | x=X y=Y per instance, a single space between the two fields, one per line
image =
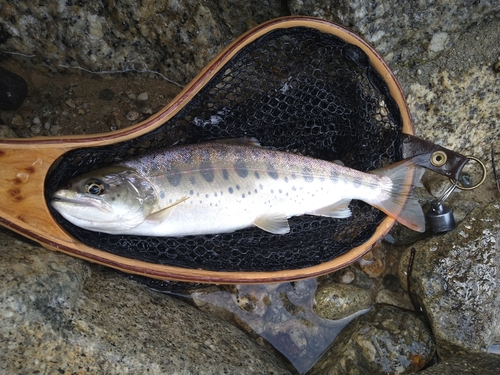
x=373 y=263
x=276 y=314
x=401 y=30
x=459 y=111
x=337 y=301
x=466 y=364
x=384 y=341
x=6 y=132
x=176 y=39
x=143 y=96
x=61 y=314
x=13 y=89
x=456 y=279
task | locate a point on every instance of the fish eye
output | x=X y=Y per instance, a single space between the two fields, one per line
x=94 y=187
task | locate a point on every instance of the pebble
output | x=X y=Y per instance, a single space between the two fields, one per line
x=143 y=96
x=70 y=103
x=132 y=115
x=337 y=301
x=13 y=90
x=373 y=262
x=36 y=129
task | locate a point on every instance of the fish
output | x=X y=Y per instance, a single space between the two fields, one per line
x=221 y=187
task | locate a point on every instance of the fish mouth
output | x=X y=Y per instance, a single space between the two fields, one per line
x=61 y=199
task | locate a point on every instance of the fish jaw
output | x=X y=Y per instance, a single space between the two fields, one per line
x=89 y=213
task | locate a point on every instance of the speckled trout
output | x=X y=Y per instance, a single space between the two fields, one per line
x=220 y=187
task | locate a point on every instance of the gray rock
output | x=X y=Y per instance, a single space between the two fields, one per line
x=281 y=314
x=456 y=278
x=384 y=341
x=61 y=314
x=467 y=364
x=6 y=132
x=337 y=301
x=176 y=39
x=402 y=30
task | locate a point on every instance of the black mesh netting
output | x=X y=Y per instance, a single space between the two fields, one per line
x=297 y=90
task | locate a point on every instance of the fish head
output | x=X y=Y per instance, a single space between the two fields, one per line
x=108 y=200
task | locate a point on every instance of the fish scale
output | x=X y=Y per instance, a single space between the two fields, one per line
x=220 y=187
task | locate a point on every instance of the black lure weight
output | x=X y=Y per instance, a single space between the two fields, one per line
x=440 y=217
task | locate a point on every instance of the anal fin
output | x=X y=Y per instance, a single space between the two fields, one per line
x=273 y=223
x=338 y=210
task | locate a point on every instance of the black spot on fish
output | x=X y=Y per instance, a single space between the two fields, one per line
x=293 y=176
x=206 y=195
x=243 y=195
x=261 y=187
x=162 y=194
x=255 y=191
x=241 y=168
x=357 y=182
x=191 y=192
x=207 y=170
x=225 y=174
x=257 y=175
x=230 y=190
x=174 y=176
x=113 y=199
x=237 y=187
x=192 y=180
x=286 y=179
x=308 y=177
x=272 y=172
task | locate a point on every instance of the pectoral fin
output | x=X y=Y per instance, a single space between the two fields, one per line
x=162 y=215
x=273 y=223
x=338 y=210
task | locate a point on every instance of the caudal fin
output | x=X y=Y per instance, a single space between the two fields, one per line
x=411 y=215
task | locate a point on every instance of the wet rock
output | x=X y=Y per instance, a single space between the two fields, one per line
x=337 y=301
x=466 y=364
x=13 y=90
x=373 y=262
x=280 y=315
x=384 y=341
x=456 y=279
x=62 y=314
